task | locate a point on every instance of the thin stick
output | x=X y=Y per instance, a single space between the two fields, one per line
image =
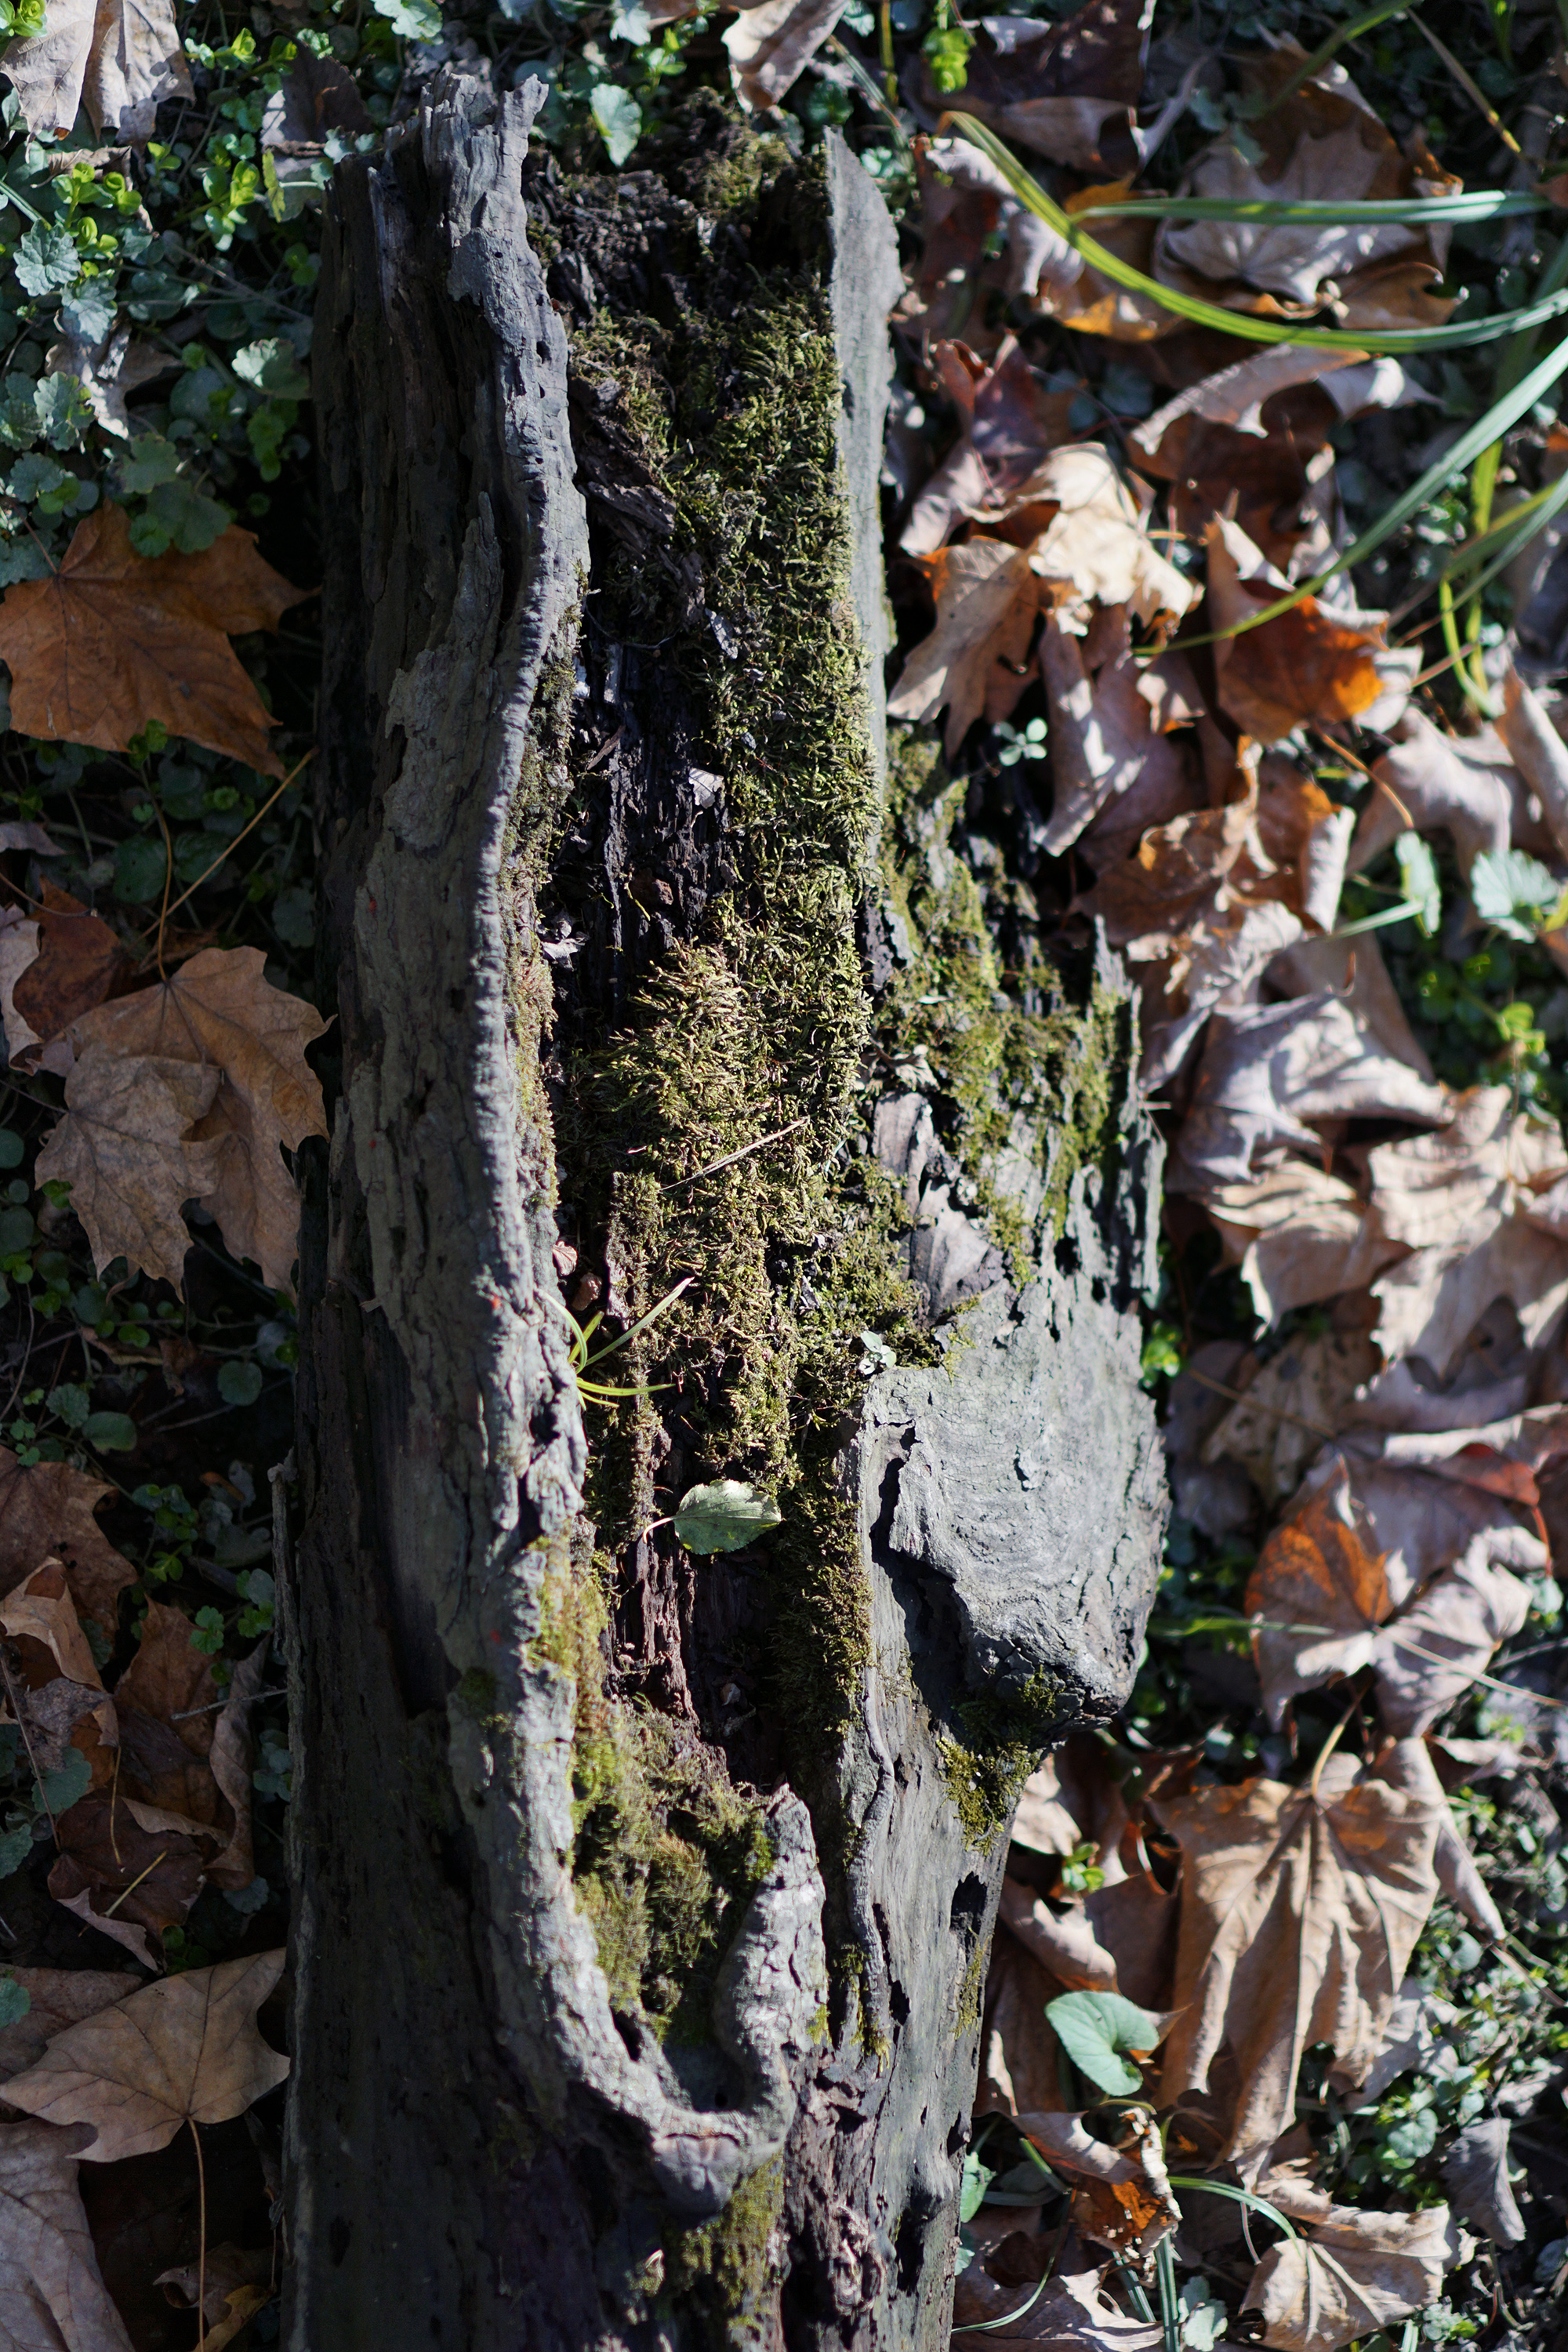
x=729 y=1158
x=1240 y=1396
x=1468 y=86
x=22 y=1728
x=135 y=1882
x=168 y=882
x=201 y=2250
x=230 y=847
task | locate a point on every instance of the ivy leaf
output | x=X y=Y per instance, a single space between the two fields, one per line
x=18 y=412
x=1514 y=892
x=1418 y=879
x=59 y=1791
x=177 y=515
x=1095 y=2028
x=724 y=1517
x=47 y=259
x=111 y=1433
x=619 y=119
x=15 y=2000
x=15 y=1846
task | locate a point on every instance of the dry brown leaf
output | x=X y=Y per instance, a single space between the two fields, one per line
x=1020 y=2068
x=1355 y=969
x=40 y=1609
x=1072 y=2314
x=48 y=1509
x=1011 y=423
x=1436 y=1646
x=1540 y=754
x=1318 y=1571
x=1300 y=1912
x=1432 y=782
x=1271 y=1074
x=770 y=43
x=1475 y=2174
x=1322 y=141
x=1298 y=1234
x=230 y=1762
x=1312 y=666
x=112 y=640
x=1122 y=2196
x=79 y=961
x=190 y=1088
x=119 y=59
x=58 y=1998
x=1460 y=1201
x=127 y=1882
x=51 y=2291
x=1061 y=1938
x=1097 y=548
x=987 y=599
x=125 y=1148
x=1073 y=1799
x=170 y=1677
x=1351 y=2274
x=224 y=2270
x=1068 y=92
x=1288 y=1406
x=109 y=370
x=184 y=2049
x=1107 y=716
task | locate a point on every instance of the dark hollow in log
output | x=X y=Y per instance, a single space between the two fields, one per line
x=642 y=1897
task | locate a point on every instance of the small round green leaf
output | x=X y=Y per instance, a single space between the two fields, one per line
x=16 y=1231
x=11 y=1148
x=724 y=1517
x=239 y=1383
x=15 y=2000
x=1095 y=2028
x=111 y=1433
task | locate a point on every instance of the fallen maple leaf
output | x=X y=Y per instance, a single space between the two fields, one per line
x=1322 y=141
x=1298 y=1234
x=1462 y=1200
x=1300 y=1908
x=113 y=640
x=118 y=59
x=49 y=1509
x=1109 y=717
x=1323 y=1592
x=1287 y=1406
x=51 y=2291
x=40 y=1610
x=1433 y=783
x=1068 y=92
x=987 y=601
x=1475 y=2174
x=106 y=370
x=1072 y=2314
x=57 y=1997
x=230 y=1760
x=126 y=1880
x=1312 y=666
x=1021 y=2069
x=190 y=1088
x=78 y=962
x=1436 y=1646
x=1096 y=548
x=183 y=2050
x=1011 y=423
x=1351 y=2274
x=771 y=42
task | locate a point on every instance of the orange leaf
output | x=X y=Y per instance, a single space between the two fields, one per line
x=113 y=640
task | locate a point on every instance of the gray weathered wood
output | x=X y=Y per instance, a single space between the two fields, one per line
x=485 y=2150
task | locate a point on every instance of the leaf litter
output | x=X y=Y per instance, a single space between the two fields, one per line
x=1337 y=866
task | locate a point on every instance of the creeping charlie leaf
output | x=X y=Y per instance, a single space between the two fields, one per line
x=1513 y=891
x=724 y=1517
x=1095 y=2028
x=619 y=119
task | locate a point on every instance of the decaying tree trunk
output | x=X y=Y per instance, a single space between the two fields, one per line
x=644 y=1896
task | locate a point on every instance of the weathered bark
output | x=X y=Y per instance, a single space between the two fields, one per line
x=496 y=2139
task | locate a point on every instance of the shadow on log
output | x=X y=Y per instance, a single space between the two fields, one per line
x=643 y=1898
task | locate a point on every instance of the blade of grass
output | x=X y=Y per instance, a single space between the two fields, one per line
x=1468 y=204
x=1241 y=323
x=1169 y=2299
x=1257 y=108
x=1468 y=86
x=1238 y=2196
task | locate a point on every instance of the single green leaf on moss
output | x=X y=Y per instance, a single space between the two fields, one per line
x=273 y=367
x=239 y=1383
x=1418 y=878
x=15 y=2000
x=724 y=1517
x=618 y=118
x=1513 y=891
x=73 y=1405
x=1095 y=2028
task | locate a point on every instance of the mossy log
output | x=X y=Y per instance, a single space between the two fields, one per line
x=643 y=1898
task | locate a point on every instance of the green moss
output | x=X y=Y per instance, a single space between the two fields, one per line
x=721 y=2274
